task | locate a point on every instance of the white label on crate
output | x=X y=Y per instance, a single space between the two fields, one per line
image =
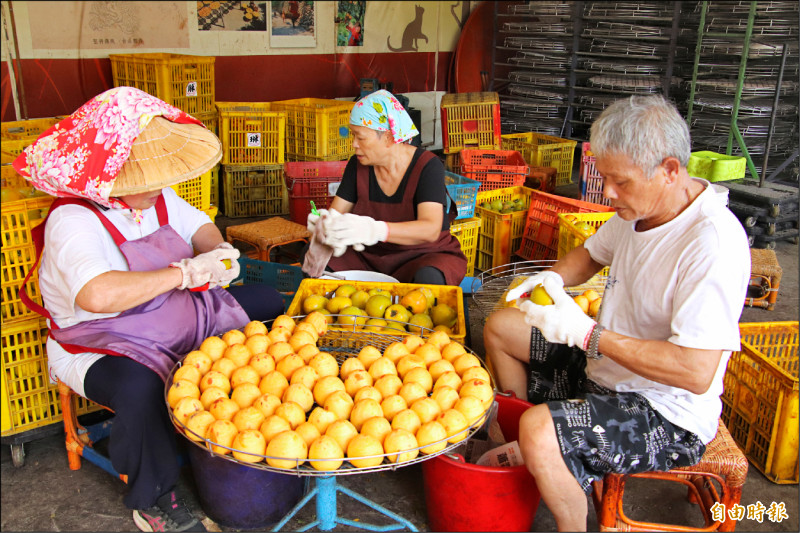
x=333 y=187
x=254 y=140
x=191 y=88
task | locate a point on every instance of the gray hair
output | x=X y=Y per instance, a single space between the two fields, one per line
x=647 y=129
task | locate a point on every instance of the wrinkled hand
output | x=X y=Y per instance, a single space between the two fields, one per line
x=343 y=230
x=528 y=285
x=208 y=267
x=564 y=322
x=311 y=221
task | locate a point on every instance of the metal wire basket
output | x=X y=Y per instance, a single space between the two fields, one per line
x=341 y=343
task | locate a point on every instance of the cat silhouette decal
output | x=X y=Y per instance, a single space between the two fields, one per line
x=411 y=34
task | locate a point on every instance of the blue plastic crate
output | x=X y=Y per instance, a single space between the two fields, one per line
x=285 y=278
x=464 y=191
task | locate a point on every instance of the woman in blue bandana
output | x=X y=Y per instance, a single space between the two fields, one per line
x=390 y=213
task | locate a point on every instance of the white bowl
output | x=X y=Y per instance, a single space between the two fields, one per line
x=360 y=275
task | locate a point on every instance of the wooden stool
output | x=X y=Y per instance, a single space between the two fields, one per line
x=723 y=462
x=79 y=439
x=765 y=279
x=265 y=235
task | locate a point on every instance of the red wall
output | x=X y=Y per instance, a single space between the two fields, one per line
x=59 y=86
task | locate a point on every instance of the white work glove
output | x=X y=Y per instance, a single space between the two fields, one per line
x=564 y=322
x=207 y=267
x=311 y=221
x=233 y=271
x=343 y=230
x=527 y=286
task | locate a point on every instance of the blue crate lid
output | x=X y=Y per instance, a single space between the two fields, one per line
x=464 y=191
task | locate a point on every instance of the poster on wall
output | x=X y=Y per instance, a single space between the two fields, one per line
x=292 y=24
x=350 y=22
x=231 y=16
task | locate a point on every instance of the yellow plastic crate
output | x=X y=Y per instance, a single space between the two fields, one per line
x=254 y=191
x=716 y=167
x=184 y=81
x=252 y=133
x=29 y=400
x=317 y=129
x=760 y=400
x=568 y=235
x=211 y=212
x=500 y=233
x=10 y=177
x=470 y=120
x=541 y=150
x=196 y=191
x=11 y=148
x=213 y=197
x=27 y=129
x=466 y=231
x=446 y=294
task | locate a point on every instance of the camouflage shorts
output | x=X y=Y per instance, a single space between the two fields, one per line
x=599 y=430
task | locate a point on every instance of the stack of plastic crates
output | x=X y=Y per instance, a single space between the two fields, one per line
x=591 y=182
x=317 y=129
x=760 y=399
x=494 y=169
x=573 y=230
x=311 y=181
x=16 y=136
x=467 y=232
x=500 y=233
x=253 y=140
x=30 y=403
x=541 y=150
x=470 y=120
x=540 y=238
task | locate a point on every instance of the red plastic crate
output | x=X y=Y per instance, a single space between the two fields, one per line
x=591 y=180
x=495 y=169
x=540 y=239
x=309 y=181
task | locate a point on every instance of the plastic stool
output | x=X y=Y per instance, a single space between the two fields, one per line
x=723 y=462
x=765 y=279
x=267 y=234
x=79 y=439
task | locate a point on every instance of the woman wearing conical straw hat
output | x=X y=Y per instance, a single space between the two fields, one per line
x=117 y=273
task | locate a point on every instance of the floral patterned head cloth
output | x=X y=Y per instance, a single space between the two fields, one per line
x=82 y=155
x=381 y=111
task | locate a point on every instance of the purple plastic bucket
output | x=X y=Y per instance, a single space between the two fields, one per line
x=243 y=497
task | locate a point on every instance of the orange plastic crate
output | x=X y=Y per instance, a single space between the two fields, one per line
x=540 y=238
x=494 y=169
x=308 y=181
x=470 y=120
x=500 y=233
x=317 y=129
x=252 y=133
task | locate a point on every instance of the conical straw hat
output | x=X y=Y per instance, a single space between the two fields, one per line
x=167 y=153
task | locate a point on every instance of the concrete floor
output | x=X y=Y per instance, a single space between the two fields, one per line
x=44 y=495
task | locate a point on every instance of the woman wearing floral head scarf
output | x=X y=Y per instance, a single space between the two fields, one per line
x=117 y=260
x=389 y=214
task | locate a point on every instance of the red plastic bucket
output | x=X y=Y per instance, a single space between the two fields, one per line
x=467 y=497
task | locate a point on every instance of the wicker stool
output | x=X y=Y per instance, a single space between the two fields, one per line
x=765 y=279
x=723 y=463
x=267 y=234
x=79 y=439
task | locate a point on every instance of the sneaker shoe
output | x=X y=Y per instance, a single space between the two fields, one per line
x=168 y=514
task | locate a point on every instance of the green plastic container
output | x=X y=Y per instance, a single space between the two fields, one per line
x=716 y=167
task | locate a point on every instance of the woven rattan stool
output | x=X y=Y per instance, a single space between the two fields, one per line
x=717 y=479
x=265 y=235
x=765 y=279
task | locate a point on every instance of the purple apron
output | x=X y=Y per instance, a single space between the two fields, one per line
x=157 y=333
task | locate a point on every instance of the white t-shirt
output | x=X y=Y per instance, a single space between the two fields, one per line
x=683 y=282
x=78 y=248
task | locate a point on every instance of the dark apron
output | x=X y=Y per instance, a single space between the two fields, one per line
x=157 y=333
x=402 y=261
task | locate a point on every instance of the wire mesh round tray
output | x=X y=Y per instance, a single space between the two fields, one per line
x=717 y=47
x=631 y=83
x=557 y=9
x=749 y=88
x=764 y=8
x=623 y=67
x=540 y=45
x=537 y=78
x=495 y=282
x=526 y=58
x=633 y=50
x=621 y=30
x=538 y=28
x=755 y=107
x=341 y=343
x=628 y=10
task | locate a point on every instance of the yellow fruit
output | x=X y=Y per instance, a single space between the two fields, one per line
x=439 y=367
x=368 y=355
x=244 y=374
x=346 y=290
x=299 y=394
x=223 y=409
x=356 y=381
x=431 y=437
x=381 y=367
x=325 y=454
x=342 y=431
x=421 y=376
x=465 y=361
x=421 y=323
x=471 y=407
x=375 y=324
x=305 y=376
x=234 y=336
x=273 y=383
x=453 y=350
x=267 y=403
x=197 y=425
x=539 y=296
x=247 y=418
x=406 y=419
x=412 y=391
x=181 y=389
x=393 y=327
x=186 y=407
x=376 y=305
x=273 y=425
x=307 y=352
x=395 y=351
x=340 y=403
x=325 y=386
x=444 y=329
x=359 y=298
x=391 y=405
x=446 y=397
x=351 y=317
x=255 y=328
x=478 y=388
x=397 y=312
x=292 y=413
x=287 y=450
x=279 y=349
x=222 y=433
x=313 y=303
x=377 y=426
x=363 y=410
x=249 y=446
x=585 y=229
x=415 y=301
x=300 y=338
x=245 y=394
x=476 y=373
x=309 y=328
x=443 y=314
x=187 y=373
x=426 y=408
x=210 y=395
x=225 y=366
x=213 y=347
x=322 y=418
x=388 y=385
x=368 y=392
x=337 y=303
x=364 y=451
x=262 y=363
x=350 y=365
x=449 y=379
x=278 y=335
x=594 y=307
x=439 y=339
x=400 y=440
x=289 y=364
x=325 y=364
x=454 y=422
x=284 y=321
x=408 y=362
x=429 y=353
x=413 y=342
x=582 y=302
x=308 y=431
x=429 y=296
x=318 y=320
x=200 y=360
x=257 y=343
x=212 y=378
